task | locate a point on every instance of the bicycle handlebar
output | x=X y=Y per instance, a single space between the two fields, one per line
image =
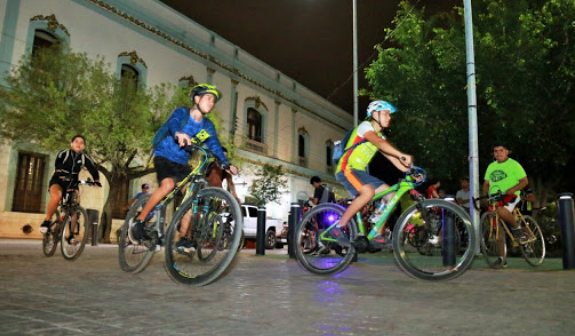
x=209 y=154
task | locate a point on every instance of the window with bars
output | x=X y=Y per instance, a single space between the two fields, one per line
x=28 y=191
x=254 y=125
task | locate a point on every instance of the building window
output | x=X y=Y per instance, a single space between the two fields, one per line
x=328 y=159
x=120 y=199
x=129 y=76
x=43 y=40
x=301 y=146
x=29 y=183
x=254 y=125
x=132 y=69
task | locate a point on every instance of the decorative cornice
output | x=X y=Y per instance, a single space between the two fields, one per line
x=190 y=79
x=53 y=23
x=211 y=70
x=257 y=101
x=294 y=111
x=277 y=102
x=235 y=82
x=302 y=130
x=134 y=58
x=210 y=58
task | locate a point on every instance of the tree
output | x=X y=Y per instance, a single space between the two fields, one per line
x=55 y=95
x=525 y=64
x=266 y=187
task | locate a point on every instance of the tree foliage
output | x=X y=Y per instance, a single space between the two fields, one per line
x=266 y=187
x=525 y=68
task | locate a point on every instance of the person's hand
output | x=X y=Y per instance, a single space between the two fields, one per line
x=510 y=192
x=183 y=139
x=232 y=170
x=406 y=160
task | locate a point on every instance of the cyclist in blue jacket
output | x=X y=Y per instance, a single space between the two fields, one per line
x=171 y=160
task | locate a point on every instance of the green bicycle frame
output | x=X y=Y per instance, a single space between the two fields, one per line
x=400 y=189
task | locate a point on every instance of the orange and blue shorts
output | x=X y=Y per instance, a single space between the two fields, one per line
x=353 y=180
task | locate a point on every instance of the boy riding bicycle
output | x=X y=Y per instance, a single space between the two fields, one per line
x=352 y=167
x=171 y=159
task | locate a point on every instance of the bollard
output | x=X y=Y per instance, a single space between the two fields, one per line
x=294 y=219
x=448 y=246
x=93 y=223
x=567 y=225
x=261 y=232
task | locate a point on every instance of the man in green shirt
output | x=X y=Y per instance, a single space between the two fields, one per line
x=506 y=175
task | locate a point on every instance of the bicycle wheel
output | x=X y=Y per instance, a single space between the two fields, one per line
x=51 y=237
x=135 y=255
x=493 y=245
x=442 y=254
x=534 y=250
x=189 y=268
x=74 y=234
x=318 y=256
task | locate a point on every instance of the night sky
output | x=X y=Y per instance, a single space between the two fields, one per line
x=308 y=40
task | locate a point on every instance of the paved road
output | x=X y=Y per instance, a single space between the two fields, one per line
x=272 y=295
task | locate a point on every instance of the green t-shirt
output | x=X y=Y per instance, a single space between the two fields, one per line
x=504 y=176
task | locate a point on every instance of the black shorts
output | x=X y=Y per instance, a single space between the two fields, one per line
x=63 y=184
x=170 y=169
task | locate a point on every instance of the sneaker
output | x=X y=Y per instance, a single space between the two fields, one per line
x=138 y=230
x=71 y=240
x=338 y=234
x=500 y=263
x=185 y=246
x=45 y=226
x=380 y=242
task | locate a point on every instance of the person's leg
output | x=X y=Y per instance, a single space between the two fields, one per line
x=165 y=187
x=55 y=197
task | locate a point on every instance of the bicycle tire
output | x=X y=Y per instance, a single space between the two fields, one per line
x=330 y=257
x=51 y=237
x=133 y=256
x=185 y=268
x=435 y=265
x=533 y=251
x=72 y=251
x=489 y=241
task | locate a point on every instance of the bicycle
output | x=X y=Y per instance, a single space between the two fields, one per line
x=441 y=227
x=216 y=232
x=71 y=229
x=493 y=244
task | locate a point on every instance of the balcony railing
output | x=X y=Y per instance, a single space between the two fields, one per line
x=256 y=147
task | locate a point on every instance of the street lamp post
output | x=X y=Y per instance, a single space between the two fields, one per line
x=355 y=102
x=472 y=113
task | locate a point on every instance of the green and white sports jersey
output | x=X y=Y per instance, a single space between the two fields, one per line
x=504 y=176
x=359 y=157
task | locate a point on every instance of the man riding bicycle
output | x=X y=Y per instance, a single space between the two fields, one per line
x=171 y=159
x=506 y=175
x=352 y=167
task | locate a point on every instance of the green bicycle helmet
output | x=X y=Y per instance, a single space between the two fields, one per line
x=203 y=88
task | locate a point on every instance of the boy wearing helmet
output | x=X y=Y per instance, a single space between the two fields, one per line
x=171 y=160
x=352 y=172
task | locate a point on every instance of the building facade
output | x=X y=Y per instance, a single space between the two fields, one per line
x=270 y=117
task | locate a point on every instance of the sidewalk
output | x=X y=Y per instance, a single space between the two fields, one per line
x=272 y=295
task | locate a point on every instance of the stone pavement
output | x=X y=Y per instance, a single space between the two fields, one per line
x=272 y=295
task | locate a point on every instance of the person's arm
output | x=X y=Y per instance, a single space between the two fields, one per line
x=519 y=186
x=231 y=185
x=399 y=159
x=91 y=166
x=214 y=145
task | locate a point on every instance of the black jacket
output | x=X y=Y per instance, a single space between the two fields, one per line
x=69 y=164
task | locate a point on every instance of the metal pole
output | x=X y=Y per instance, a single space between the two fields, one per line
x=355 y=84
x=472 y=115
x=292 y=225
x=566 y=222
x=261 y=232
x=449 y=231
